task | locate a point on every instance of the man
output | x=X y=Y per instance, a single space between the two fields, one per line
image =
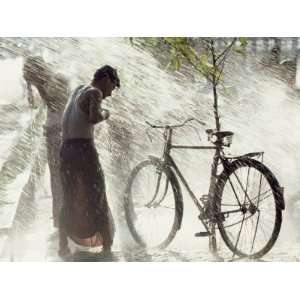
x=86 y=217
x=53 y=89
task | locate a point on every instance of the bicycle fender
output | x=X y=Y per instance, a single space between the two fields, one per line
x=175 y=184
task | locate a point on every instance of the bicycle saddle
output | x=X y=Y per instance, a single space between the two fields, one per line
x=219 y=134
x=223 y=134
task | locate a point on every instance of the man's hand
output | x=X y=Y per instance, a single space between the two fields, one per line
x=93 y=98
x=105 y=114
x=91 y=105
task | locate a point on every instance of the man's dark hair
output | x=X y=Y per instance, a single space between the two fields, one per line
x=107 y=70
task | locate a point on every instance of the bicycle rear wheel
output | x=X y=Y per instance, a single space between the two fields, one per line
x=248 y=204
x=153 y=205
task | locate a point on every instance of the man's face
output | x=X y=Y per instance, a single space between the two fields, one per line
x=109 y=87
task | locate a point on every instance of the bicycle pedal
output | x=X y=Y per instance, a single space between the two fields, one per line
x=202 y=234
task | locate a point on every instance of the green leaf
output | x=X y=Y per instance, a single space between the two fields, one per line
x=243 y=41
x=189 y=53
x=169 y=40
x=152 y=41
x=181 y=40
x=175 y=63
x=203 y=59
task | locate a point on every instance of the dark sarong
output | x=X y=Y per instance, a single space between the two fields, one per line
x=86 y=210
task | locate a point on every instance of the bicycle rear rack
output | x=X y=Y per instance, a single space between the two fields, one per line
x=250 y=155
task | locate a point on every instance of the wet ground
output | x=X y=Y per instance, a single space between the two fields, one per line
x=39 y=243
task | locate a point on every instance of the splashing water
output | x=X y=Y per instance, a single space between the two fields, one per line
x=261 y=109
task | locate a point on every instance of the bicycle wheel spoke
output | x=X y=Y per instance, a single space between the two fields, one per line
x=264 y=234
x=239 y=234
x=268 y=224
x=255 y=198
x=255 y=232
x=252 y=229
x=265 y=196
x=242 y=187
x=235 y=193
x=238 y=222
x=252 y=224
x=258 y=202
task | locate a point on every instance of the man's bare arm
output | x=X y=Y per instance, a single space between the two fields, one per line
x=91 y=105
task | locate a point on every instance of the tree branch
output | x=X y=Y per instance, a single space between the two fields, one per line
x=190 y=61
x=222 y=62
x=226 y=49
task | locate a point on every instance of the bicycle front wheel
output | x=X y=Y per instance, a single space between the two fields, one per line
x=153 y=205
x=248 y=204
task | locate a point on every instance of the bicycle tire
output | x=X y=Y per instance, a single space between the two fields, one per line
x=129 y=204
x=225 y=182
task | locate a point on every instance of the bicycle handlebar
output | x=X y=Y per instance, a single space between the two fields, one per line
x=220 y=135
x=176 y=125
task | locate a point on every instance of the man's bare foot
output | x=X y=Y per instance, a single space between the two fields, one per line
x=64 y=253
x=108 y=256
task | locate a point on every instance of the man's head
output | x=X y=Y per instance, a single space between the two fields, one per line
x=106 y=79
x=35 y=70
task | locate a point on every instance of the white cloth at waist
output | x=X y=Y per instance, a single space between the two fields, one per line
x=74 y=247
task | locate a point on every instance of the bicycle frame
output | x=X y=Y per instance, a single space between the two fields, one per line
x=206 y=209
x=169 y=161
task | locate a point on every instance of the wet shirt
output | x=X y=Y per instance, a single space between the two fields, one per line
x=75 y=123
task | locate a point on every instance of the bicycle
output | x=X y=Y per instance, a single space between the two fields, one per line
x=241 y=197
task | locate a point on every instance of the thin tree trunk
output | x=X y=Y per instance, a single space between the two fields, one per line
x=214 y=166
